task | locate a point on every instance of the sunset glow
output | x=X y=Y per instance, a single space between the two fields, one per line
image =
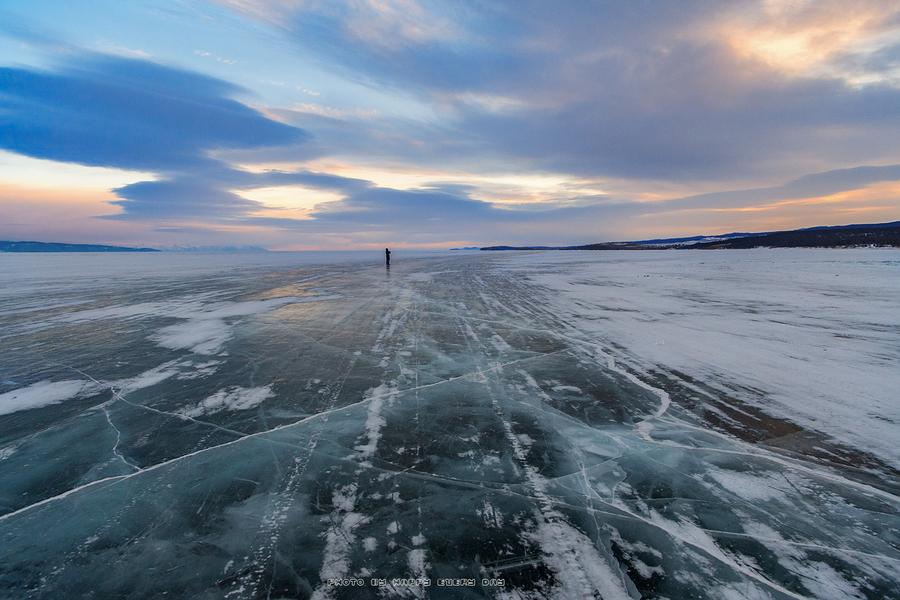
x=325 y=125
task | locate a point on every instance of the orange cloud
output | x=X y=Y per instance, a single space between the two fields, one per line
x=804 y=37
x=289 y=201
x=878 y=202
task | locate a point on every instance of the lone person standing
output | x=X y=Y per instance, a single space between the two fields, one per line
x=387 y=257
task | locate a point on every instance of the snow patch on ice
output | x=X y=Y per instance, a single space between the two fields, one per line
x=374 y=421
x=233 y=398
x=745 y=485
x=418 y=566
x=146 y=379
x=201 y=370
x=339 y=540
x=491 y=517
x=818 y=576
x=566 y=388
x=44 y=393
x=525 y=440
x=692 y=534
x=203 y=326
x=579 y=568
x=203 y=336
x=7 y=451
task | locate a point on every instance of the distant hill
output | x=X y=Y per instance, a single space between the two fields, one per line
x=6 y=246
x=634 y=245
x=827 y=236
x=843 y=236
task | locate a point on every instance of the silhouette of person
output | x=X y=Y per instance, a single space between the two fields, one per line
x=387 y=257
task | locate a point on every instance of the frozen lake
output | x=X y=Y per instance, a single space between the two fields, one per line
x=659 y=424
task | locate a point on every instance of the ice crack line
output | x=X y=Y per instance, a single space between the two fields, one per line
x=118 y=440
x=119 y=396
x=116 y=478
x=665 y=404
x=579 y=570
x=272 y=524
x=615 y=510
x=340 y=537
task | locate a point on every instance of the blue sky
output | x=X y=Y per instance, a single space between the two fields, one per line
x=311 y=124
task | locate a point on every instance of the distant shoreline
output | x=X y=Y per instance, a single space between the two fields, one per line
x=833 y=236
x=838 y=236
x=27 y=246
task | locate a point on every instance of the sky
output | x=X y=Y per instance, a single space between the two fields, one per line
x=327 y=124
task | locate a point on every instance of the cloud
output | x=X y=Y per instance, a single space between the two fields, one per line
x=447 y=46
x=109 y=111
x=128 y=113
x=431 y=215
x=602 y=104
x=671 y=91
x=808 y=186
x=210 y=194
x=26 y=32
x=134 y=114
x=180 y=198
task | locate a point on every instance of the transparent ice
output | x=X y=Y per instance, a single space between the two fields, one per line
x=581 y=425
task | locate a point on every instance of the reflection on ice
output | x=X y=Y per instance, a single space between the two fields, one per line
x=455 y=421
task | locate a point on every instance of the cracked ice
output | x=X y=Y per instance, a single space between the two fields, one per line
x=579 y=425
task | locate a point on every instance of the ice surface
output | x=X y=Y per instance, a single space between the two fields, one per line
x=660 y=424
x=809 y=335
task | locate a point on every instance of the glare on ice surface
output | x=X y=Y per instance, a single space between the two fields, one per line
x=672 y=424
